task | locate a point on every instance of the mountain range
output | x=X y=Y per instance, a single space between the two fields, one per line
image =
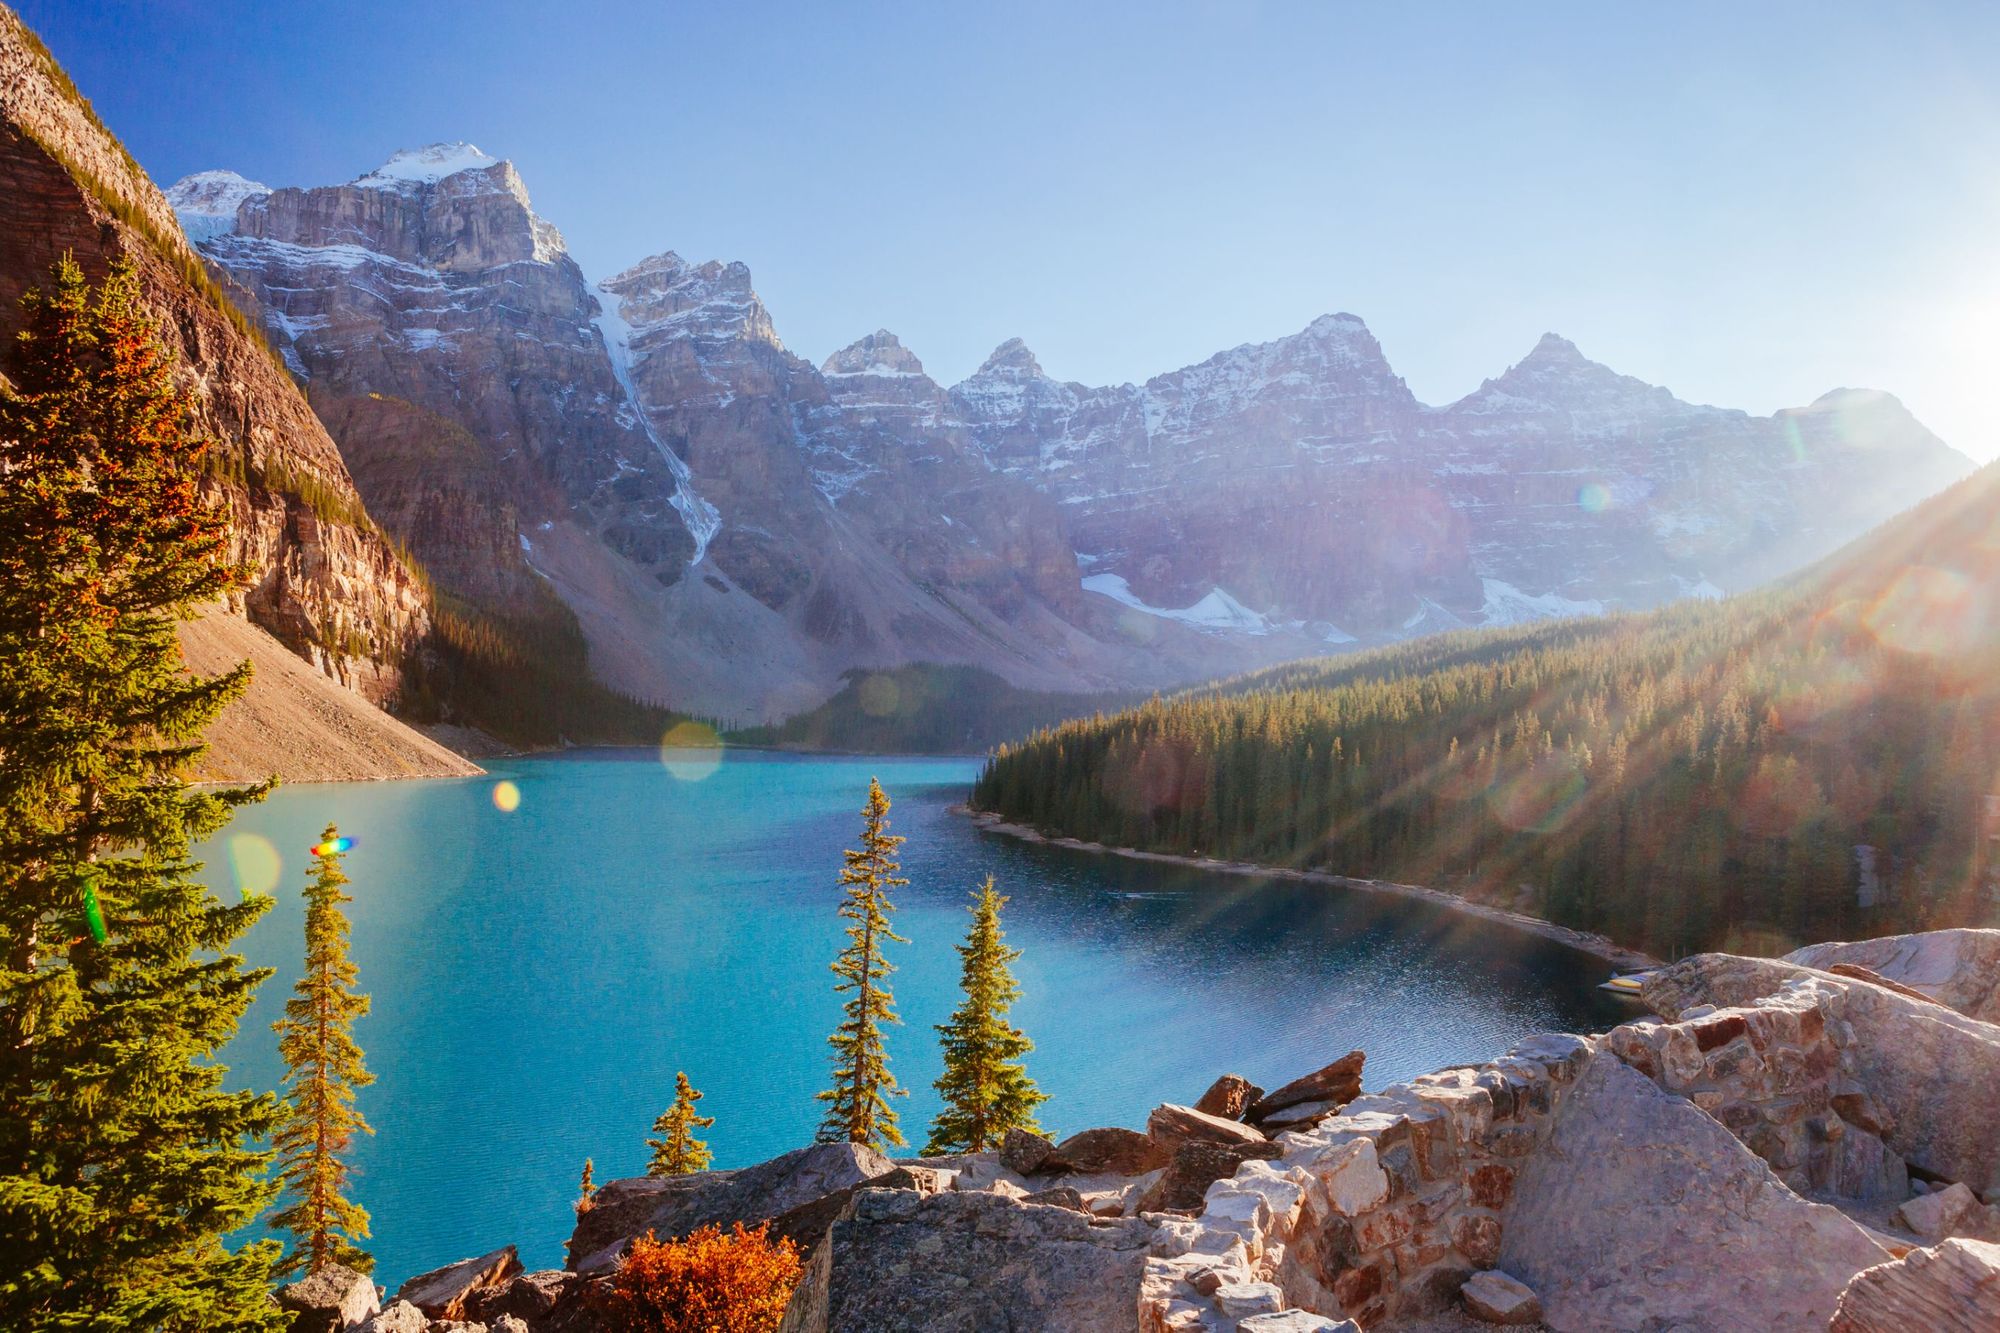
x=735 y=528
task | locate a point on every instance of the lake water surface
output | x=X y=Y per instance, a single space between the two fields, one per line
x=539 y=974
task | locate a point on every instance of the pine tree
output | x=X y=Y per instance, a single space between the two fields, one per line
x=323 y=1069
x=677 y=1152
x=585 y=1188
x=123 y=1159
x=858 y=1102
x=986 y=1090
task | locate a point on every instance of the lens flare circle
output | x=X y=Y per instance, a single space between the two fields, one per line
x=1593 y=497
x=255 y=864
x=506 y=797
x=691 y=751
x=879 y=696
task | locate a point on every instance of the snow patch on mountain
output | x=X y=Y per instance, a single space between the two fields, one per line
x=1506 y=604
x=206 y=202
x=703 y=519
x=427 y=165
x=1217 y=611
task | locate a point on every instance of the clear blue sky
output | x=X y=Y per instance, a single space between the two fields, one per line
x=1750 y=203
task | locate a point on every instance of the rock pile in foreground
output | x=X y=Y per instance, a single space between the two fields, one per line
x=1778 y=1146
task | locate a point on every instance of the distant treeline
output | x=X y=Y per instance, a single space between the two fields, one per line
x=926 y=709
x=523 y=678
x=1693 y=777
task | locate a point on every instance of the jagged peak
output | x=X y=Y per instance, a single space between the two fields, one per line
x=1554 y=349
x=428 y=165
x=1341 y=325
x=1011 y=356
x=668 y=269
x=880 y=353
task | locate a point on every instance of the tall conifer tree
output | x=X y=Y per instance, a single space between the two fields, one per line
x=123 y=1159
x=323 y=1068
x=858 y=1108
x=986 y=1089
x=677 y=1152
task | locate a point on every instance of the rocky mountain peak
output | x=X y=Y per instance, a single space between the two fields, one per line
x=206 y=202
x=666 y=296
x=1555 y=371
x=1011 y=357
x=880 y=353
x=1341 y=325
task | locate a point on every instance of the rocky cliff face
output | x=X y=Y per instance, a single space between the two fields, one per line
x=327 y=584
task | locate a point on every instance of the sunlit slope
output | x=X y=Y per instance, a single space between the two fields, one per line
x=1805 y=762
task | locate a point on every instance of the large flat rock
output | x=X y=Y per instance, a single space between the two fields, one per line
x=1642 y=1212
x=1960 y=968
x=900 y=1262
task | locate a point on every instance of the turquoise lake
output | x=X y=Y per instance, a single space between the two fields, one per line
x=538 y=975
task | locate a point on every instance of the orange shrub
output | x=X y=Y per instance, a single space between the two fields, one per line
x=708 y=1283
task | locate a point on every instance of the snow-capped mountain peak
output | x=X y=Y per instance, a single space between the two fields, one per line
x=206 y=202
x=428 y=165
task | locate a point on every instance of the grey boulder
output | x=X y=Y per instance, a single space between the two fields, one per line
x=900 y=1262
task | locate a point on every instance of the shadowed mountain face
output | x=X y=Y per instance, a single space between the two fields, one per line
x=736 y=528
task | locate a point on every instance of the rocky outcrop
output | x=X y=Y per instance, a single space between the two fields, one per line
x=1959 y=968
x=966 y=1263
x=673 y=1206
x=1953 y=1288
x=1641 y=1210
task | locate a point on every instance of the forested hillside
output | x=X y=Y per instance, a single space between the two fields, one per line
x=1807 y=762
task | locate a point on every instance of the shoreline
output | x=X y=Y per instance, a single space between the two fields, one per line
x=1596 y=945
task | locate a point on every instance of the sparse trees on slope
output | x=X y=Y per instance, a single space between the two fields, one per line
x=986 y=1089
x=677 y=1152
x=123 y=1159
x=323 y=1068
x=858 y=1108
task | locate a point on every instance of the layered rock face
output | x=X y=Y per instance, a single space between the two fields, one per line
x=326 y=583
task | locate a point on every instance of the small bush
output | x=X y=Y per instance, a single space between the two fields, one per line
x=708 y=1283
